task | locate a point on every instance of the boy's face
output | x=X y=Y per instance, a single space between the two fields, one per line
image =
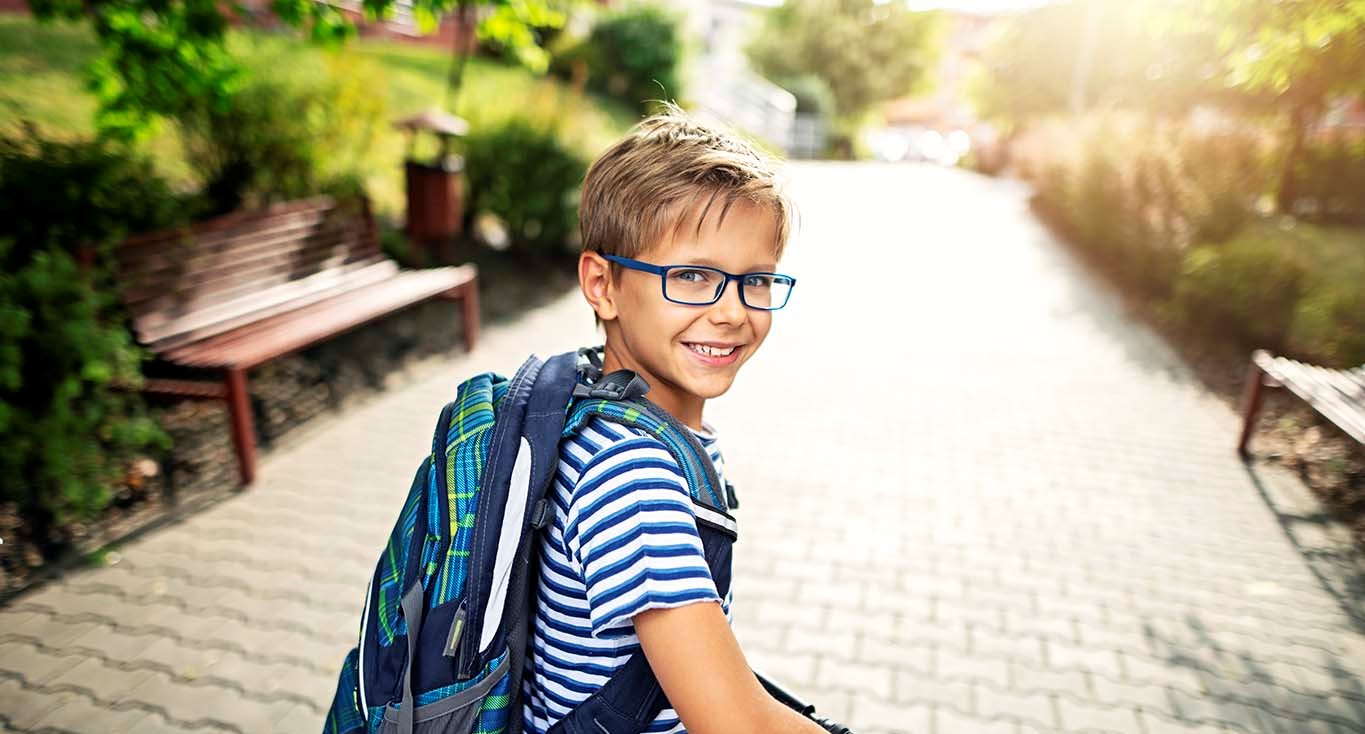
x=664 y=342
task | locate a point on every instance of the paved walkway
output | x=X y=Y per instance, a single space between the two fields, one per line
x=975 y=498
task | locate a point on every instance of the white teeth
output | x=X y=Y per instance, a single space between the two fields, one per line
x=711 y=351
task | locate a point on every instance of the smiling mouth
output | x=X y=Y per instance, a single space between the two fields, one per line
x=706 y=350
x=711 y=352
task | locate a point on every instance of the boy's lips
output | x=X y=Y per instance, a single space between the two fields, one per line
x=714 y=353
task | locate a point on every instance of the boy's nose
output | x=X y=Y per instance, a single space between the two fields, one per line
x=730 y=308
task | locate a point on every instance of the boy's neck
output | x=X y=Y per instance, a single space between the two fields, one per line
x=686 y=408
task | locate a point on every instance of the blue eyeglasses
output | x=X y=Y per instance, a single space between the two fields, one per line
x=698 y=285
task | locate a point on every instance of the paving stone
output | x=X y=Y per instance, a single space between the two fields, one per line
x=1070 y=657
x=1019 y=648
x=950 y=635
x=33 y=664
x=997 y=703
x=914 y=687
x=858 y=677
x=754 y=635
x=298 y=719
x=805 y=617
x=912 y=656
x=871 y=624
x=1160 y=725
x=957 y=665
x=823 y=643
x=50 y=631
x=871 y=713
x=1028 y=678
x=21 y=707
x=1232 y=714
x=104 y=682
x=1083 y=716
x=79 y=714
x=1151 y=698
x=947 y=721
x=834 y=705
x=784 y=667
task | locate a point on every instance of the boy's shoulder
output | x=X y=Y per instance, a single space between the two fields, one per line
x=607 y=456
x=600 y=439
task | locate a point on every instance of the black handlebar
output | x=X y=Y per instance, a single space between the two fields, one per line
x=789 y=699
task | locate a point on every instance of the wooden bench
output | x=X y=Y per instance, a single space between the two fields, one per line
x=229 y=294
x=1339 y=395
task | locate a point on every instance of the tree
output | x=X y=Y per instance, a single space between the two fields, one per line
x=1296 y=55
x=866 y=52
x=1066 y=57
x=161 y=58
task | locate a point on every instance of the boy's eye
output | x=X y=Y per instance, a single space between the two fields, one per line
x=688 y=275
x=758 y=281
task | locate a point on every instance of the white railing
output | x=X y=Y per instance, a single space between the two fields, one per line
x=808 y=136
x=749 y=102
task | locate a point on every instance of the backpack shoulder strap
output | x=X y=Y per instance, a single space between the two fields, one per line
x=702 y=480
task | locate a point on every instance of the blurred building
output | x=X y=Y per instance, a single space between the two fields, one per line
x=941 y=126
x=947 y=105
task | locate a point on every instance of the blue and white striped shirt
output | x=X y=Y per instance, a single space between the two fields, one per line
x=624 y=539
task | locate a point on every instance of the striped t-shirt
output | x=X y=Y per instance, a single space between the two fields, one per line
x=624 y=539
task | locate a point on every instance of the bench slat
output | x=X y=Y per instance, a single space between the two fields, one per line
x=177 y=307
x=187 y=271
x=1351 y=391
x=1323 y=396
x=198 y=274
x=229 y=226
x=170 y=257
x=266 y=339
x=216 y=319
x=193 y=276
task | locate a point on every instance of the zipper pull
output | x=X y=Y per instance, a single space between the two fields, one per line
x=456 y=627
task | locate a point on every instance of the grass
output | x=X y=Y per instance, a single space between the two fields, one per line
x=42 y=79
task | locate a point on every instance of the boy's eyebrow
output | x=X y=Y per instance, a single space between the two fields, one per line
x=764 y=267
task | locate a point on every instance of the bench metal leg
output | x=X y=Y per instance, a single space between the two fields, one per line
x=469 y=307
x=243 y=428
x=1252 y=394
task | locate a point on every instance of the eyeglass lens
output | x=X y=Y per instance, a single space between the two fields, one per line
x=700 y=286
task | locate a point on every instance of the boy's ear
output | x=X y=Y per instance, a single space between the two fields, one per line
x=594 y=278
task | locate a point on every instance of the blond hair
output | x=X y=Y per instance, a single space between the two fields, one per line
x=651 y=181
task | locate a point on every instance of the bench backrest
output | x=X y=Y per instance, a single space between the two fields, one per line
x=190 y=283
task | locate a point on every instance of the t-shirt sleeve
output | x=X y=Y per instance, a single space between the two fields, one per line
x=631 y=533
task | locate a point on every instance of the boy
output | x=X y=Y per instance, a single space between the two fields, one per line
x=622 y=568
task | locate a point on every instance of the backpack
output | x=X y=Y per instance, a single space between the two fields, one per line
x=444 y=632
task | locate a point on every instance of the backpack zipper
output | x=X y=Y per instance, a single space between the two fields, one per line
x=456 y=630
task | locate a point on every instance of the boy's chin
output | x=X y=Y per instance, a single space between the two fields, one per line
x=710 y=387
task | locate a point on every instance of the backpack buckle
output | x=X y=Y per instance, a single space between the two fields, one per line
x=540 y=514
x=619 y=385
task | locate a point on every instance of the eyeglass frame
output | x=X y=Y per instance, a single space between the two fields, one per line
x=662 y=272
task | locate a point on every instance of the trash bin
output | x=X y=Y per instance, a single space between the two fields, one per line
x=434 y=187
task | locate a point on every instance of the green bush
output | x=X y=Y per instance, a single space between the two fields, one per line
x=70 y=414
x=1246 y=289
x=1140 y=193
x=634 y=55
x=285 y=134
x=1329 y=323
x=1329 y=182
x=523 y=172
